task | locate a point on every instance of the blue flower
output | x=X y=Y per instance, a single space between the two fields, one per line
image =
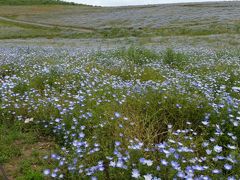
x=148 y=177
x=164 y=162
x=135 y=173
x=217 y=149
x=227 y=166
x=46 y=172
x=117 y=115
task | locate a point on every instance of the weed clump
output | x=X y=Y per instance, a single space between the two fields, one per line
x=175 y=59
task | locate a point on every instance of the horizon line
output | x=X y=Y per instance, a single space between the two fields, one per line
x=163 y=3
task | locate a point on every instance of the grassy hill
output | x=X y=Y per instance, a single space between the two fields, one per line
x=32 y=2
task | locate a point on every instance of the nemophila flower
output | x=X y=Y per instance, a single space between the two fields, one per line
x=236 y=89
x=231 y=158
x=175 y=165
x=205 y=177
x=178 y=106
x=117 y=143
x=135 y=173
x=227 y=166
x=54 y=175
x=205 y=144
x=218 y=149
x=167 y=152
x=117 y=114
x=149 y=162
x=164 y=162
x=208 y=151
x=231 y=147
x=234 y=138
x=46 y=172
x=235 y=123
x=216 y=171
x=176 y=156
x=148 y=177
x=146 y=161
x=112 y=164
x=198 y=167
x=81 y=135
x=142 y=160
x=212 y=139
x=181 y=174
x=205 y=123
x=54 y=156
x=61 y=163
x=120 y=164
x=137 y=145
x=231 y=178
x=125 y=118
x=57 y=120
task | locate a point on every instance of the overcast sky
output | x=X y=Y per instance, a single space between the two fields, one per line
x=131 y=2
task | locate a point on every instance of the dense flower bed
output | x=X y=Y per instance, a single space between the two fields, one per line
x=124 y=114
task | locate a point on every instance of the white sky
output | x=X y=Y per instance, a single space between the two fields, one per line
x=132 y=2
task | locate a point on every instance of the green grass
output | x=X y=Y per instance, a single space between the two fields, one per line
x=13 y=137
x=179 y=30
x=8 y=149
x=174 y=59
x=22 y=151
x=148 y=110
x=11 y=30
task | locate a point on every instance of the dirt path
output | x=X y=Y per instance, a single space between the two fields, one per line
x=80 y=29
x=12 y=169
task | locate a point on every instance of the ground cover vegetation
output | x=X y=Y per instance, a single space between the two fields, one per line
x=129 y=112
x=145 y=92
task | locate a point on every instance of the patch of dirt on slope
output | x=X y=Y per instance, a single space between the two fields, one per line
x=28 y=151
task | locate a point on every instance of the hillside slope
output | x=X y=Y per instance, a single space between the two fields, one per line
x=31 y=2
x=194 y=19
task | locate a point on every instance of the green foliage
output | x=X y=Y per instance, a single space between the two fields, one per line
x=28 y=173
x=6 y=70
x=174 y=59
x=120 y=32
x=11 y=139
x=171 y=30
x=137 y=56
x=13 y=30
x=153 y=108
x=131 y=55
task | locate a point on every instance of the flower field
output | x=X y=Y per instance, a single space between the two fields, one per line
x=127 y=113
